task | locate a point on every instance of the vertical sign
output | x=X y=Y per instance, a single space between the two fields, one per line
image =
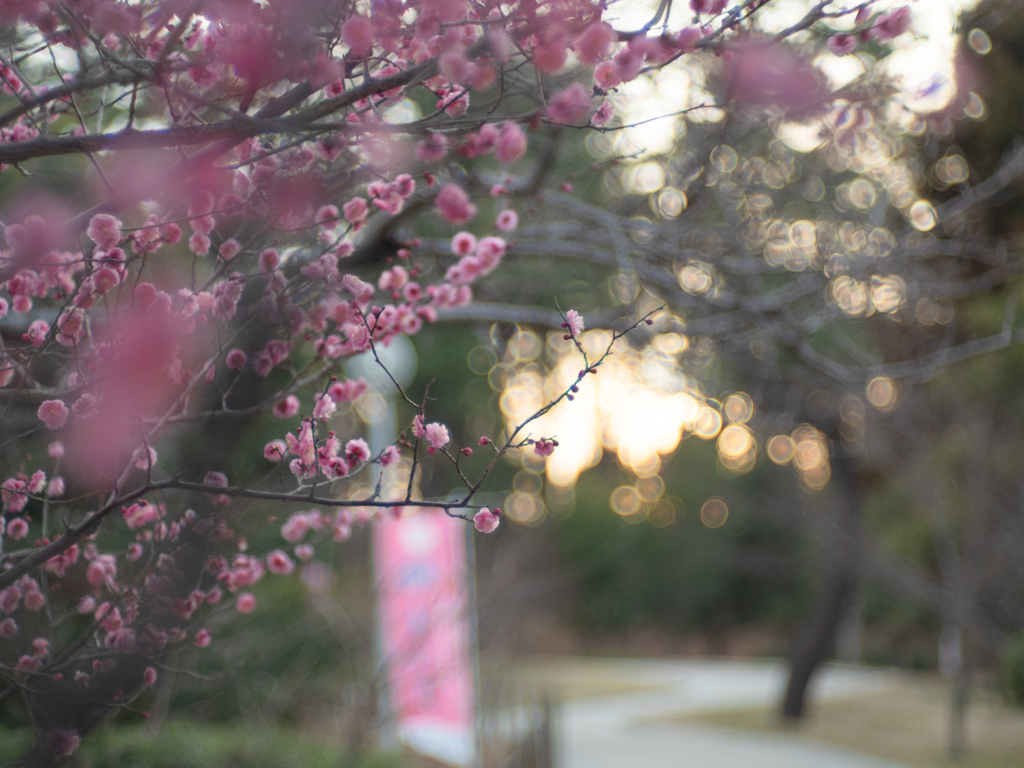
x=423 y=606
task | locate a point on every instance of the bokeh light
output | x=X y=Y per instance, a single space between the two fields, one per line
x=714 y=513
x=881 y=393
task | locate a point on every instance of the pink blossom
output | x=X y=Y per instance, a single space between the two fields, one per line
x=412 y=292
x=12 y=491
x=295 y=528
x=393 y=279
x=28 y=664
x=573 y=323
x=774 y=76
x=304 y=552
x=10 y=598
x=454 y=205
x=507 y=220
x=432 y=149
x=37 y=482
x=65 y=741
x=550 y=55
x=55 y=449
x=511 y=143
x=489 y=253
x=355 y=210
x=102 y=568
x=486 y=521
x=279 y=563
x=105 y=278
x=34 y=600
x=8 y=628
x=199 y=244
x=41 y=647
x=570 y=106
x=104 y=230
x=323 y=407
x=144 y=457
x=327 y=217
x=709 y=7
x=275 y=450
x=436 y=435
x=140 y=514
x=246 y=603
x=544 y=447
x=463 y=243
x=356 y=452
x=455 y=104
x=236 y=359
x=595 y=42
x=688 y=38
x=357 y=34
x=603 y=115
x=348 y=391
x=85 y=407
x=53 y=413
x=841 y=45
x=287 y=407
x=389 y=456
x=86 y=605
x=892 y=24
x=269 y=260
x=149 y=676
x=361 y=291
x=229 y=249
x=17 y=528
x=37 y=333
x=417 y=425
x=56 y=487
x=628 y=61
x=121 y=640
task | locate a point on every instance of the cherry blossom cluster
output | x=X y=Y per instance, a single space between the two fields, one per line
x=882 y=28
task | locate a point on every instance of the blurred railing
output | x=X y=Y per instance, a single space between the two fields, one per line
x=518 y=725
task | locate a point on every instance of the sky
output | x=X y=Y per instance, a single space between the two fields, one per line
x=922 y=61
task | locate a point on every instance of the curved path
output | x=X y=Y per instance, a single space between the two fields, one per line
x=635 y=727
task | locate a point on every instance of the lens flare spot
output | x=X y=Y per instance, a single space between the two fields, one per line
x=625 y=500
x=708 y=423
x=738 y=408
x=923 y=216
x=781 y=449
x=714 y=513
x=881 y=393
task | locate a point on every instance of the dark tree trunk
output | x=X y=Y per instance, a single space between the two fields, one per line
x=816 y=639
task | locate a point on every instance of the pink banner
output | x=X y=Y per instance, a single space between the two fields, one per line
x=420 y=562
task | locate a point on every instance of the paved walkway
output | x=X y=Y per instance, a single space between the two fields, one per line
x=631 y=730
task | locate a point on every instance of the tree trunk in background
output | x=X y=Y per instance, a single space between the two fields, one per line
x=840 y=580
x=850 y=637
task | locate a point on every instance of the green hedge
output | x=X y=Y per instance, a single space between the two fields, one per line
x=182 y=744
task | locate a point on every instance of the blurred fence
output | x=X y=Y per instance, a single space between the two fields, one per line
x=518 y=725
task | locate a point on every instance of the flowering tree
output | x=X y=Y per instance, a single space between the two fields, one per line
x=236 y=213
x=820 y=255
